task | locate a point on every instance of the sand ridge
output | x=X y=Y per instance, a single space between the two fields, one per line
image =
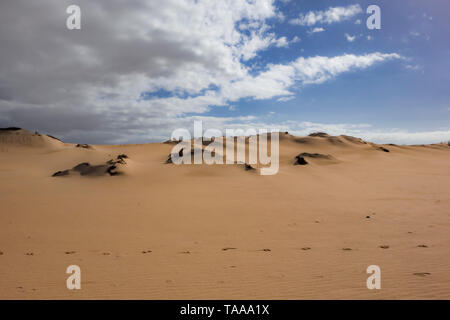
x=165 y=231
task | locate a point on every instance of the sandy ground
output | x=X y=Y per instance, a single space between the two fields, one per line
x=159 y=231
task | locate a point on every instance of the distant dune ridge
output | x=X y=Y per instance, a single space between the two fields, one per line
x=140 y=226
x=15 y=137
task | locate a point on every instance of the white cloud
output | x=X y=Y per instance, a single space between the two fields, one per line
x=358 y=21
x=329 y=16
x=89 y=84
x=316 y=30
x=285 y=99
x=413 y=67
x=349 y=37
x=282 y=42
x=295 y=39
x=279 y=78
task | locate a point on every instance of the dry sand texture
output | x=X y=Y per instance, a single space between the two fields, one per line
x=153 y=230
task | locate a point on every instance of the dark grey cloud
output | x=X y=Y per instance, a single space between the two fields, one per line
x=89 y=81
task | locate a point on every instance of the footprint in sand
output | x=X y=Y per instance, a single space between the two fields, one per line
x=306 y=248
x=347 y=249
x=1 y=253
x=70 y=252
x=106 y=253
x=384 y=247
x=29 y=254
x=228 y=248
x=266 y=250
x=185 y=252
x=422 y=274
x=146 y=251
x=422 y=246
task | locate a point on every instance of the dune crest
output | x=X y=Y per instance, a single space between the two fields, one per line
x=166 y=231
x=14 y=137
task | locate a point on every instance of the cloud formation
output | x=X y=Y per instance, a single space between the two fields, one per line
x=349 y=37
x=136 y=70
x=316 y=30
x=329 y=16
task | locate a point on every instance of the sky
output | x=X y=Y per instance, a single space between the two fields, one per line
x=137 y=70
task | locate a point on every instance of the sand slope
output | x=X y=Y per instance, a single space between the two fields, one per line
x=161 y=231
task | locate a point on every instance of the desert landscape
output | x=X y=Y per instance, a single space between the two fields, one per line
x=142 y=228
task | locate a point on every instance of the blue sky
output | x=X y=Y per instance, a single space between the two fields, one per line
x=136 y=71
x=413 y=94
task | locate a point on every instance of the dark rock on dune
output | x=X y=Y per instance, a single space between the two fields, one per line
x=95 y=170
x=86 y=169
x=383 y=149
x=81 y=167
x=10 y=129
x=53 y=137
x=315 y=155
x=121 y=161
x=171 y=142
x=318 y=134
x=180 y=154
x=111 y=170
x=228 y=248
x=61 y=173
x=207 y=142
x=248 y=167
x=83 y=145
x=299 y=160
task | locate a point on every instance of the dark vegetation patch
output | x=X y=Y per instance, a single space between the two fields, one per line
x=319 y=134
x=300 y=159
x=10 y=129
x=86 y=169
x=53 y=137
x=83 y=145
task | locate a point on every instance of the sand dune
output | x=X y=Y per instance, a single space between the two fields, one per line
x=165 y=231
